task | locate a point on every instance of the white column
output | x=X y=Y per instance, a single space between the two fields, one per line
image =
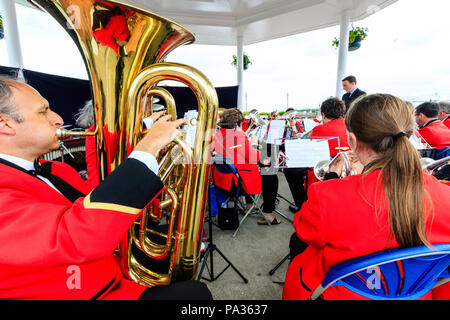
x=240 y=72
x=343 y=52
x=8 y=12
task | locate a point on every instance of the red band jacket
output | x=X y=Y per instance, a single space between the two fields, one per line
x=51 y=248
x=446 y=122
x=234 y=145
x=333 y=128
x=339 y=222
x=436 y=134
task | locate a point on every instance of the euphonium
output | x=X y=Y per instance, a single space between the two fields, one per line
x=290 y=115
x=254 y=121
x=122 y=46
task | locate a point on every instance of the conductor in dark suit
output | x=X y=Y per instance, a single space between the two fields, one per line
x=349 y=84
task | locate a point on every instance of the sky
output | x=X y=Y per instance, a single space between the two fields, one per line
x=406 y=54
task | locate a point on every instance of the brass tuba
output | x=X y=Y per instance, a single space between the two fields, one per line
x=122 y=47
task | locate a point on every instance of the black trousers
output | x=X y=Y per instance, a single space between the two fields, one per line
x=295 y=178
x=269 y=192
x=185 y=290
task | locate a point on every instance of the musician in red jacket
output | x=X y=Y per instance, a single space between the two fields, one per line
x=393 y=203
x=430 y=127
x=333 y=111
x=57 y=237
x=444 y=113
x=232 y=143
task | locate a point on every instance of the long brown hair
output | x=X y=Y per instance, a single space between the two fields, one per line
x=379 y=121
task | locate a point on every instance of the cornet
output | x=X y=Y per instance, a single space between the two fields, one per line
x=323 y=166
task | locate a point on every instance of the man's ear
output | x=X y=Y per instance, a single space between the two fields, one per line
x=7 y=125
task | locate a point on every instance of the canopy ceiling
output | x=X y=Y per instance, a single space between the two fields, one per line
x=219 y=22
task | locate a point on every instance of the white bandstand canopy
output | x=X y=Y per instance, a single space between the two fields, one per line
x=240 y=22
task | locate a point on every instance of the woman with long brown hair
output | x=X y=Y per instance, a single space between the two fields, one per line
x=393 y=203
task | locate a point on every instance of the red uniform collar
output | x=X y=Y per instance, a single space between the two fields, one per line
x=430 y=123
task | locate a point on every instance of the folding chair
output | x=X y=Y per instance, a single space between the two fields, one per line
x=443 y=153
x=394 y=274
x=223 y=166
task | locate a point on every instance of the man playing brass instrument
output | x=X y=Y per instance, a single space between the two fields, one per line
x=57 y=237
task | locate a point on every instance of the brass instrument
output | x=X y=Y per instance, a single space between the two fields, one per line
x=124 y=71
x=323 y=166
x=254 y=121
x=290 y=115
x=431 y=166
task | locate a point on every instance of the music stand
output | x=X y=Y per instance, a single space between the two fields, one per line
x=209 y=253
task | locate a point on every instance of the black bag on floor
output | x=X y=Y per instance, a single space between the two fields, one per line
x=227 y=219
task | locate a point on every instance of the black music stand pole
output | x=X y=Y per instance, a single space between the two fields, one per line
x=209 y=253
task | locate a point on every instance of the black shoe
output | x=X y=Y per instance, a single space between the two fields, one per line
x=294 y=209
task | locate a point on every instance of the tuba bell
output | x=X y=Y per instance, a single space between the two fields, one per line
x=123 y=63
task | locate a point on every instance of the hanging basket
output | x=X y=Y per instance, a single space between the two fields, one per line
x=355 y=45
x=246 y=61
x=356 y=35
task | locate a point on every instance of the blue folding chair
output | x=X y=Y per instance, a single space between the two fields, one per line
x=225 y=167
x=443 y=153
x=393 y=274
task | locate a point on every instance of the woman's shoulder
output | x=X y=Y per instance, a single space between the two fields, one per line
x=346 y=184
x=433 y=183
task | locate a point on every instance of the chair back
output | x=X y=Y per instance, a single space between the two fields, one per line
x=393 y=274
x=443 y=153
x=224 y=166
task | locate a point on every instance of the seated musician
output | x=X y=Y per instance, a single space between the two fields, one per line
x=232 y=143
x=393 y=203
x=57 y=237
x=444 y=113
x=333 y=111
x=435 y=133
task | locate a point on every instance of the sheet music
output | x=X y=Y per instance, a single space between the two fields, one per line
x=303 y=153
x=276 y=130
x=416 y=142
x=191 y=127
x=309 y=124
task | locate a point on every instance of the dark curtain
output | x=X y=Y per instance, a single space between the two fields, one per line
x=67 y=95
x=8 y=71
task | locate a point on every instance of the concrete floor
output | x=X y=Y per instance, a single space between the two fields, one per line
x=254 y=252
